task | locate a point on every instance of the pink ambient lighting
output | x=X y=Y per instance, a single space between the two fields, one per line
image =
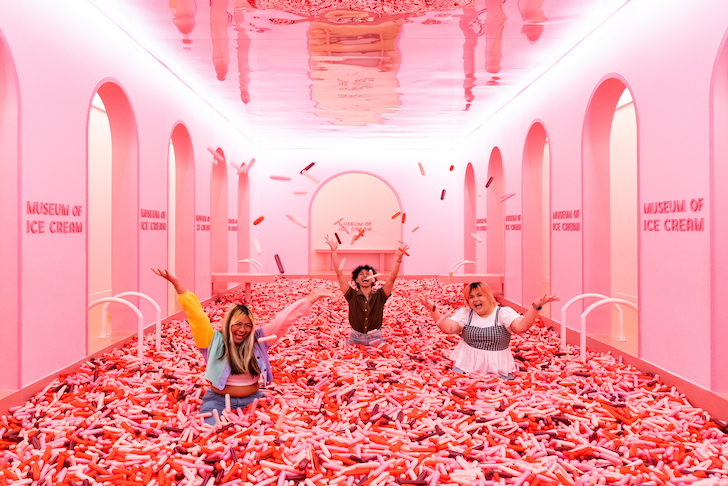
x=359 y=71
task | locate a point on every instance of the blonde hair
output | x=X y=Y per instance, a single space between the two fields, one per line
x=240 y=356
x=483 y=288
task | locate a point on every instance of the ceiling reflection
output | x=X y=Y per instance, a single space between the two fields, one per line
x=287 y=71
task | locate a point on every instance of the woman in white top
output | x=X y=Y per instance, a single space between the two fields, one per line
x=485 y=329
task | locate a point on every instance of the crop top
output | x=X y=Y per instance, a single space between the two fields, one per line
x=242 y=380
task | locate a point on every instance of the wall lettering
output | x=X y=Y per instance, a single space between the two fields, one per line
x=513 y=226
x=153 y=225
x=44 y=225
x=480 y=224
x=566 y=225
x=672 y=224
x=355 y=225
x=232 y=224
x=203 y=222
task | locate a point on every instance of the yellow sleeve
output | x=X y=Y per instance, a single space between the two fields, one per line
x=199 y=322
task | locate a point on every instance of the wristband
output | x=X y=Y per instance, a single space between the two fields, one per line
x=537 y=307
x=434 y=308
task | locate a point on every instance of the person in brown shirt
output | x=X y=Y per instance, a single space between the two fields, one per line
x=366 y=305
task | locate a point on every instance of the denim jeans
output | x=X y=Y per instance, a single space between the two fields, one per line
x=214 y=401
x=356 y=338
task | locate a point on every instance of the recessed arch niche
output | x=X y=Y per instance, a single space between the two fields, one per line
x=113 y=209
x=719 y=237
x=535 y=200
x=219 y=219
x=609 y=209
x=243 y=224
x=9 y=220
x=469 y=198
x=181 y=210
x=495 y=219
x=334 y=200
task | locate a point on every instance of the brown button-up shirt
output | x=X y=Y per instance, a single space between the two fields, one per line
x=365 y=314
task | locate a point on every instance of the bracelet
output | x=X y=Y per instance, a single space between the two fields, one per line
x=537 y=307
x=399 y=261
x=434 y=308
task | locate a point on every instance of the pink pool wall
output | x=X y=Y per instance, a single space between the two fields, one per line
x=670 y=57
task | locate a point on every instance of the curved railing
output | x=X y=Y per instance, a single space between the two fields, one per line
x=566 y=307
x=582 y=338
x=253 y=263
x=140 y=319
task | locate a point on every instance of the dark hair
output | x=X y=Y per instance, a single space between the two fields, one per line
x=483 y=288
x=358 y=269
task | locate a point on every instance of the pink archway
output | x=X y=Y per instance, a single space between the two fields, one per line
x=495 y=220
x=124 y=198
x=469 y=250
x=719 y=223
x=219 y=218
x=532 y=207
x=182 y=240
x=9 y=221
x=596 y=199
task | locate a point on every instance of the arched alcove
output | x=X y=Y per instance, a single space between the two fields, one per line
x=9 y=221
x=469 y=251
x=609 y=223
x=332 y=202
x=219 y=219
x=535 y=241
x=181 y=210
x=113 y=202
x=495 y=220
x=719 y=236
x=243 y=221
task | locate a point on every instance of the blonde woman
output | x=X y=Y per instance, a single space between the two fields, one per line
x=236 y=360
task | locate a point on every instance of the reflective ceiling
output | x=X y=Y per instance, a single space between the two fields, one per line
x=344 y=73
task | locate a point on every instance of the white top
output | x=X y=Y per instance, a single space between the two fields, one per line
x=471 y=359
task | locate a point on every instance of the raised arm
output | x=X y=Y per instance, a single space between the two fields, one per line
x=343 y=281
x=448 y=326
x=200 y=326
x=283 y=320
x=172 y=278
x=389 y=284
x=522 y=324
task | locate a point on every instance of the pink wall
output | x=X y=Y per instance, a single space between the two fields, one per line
x=674 y=147
x=55 y=171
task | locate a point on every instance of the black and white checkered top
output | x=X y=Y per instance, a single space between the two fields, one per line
x=491 y=338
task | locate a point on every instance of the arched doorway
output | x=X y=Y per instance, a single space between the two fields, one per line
x=495 y=220
x=243 y=222
x=332 y=202
x=719 y=243
x=609 y=198
x=535 y=232
x=113 y=237
x=181 y=211
x=9 y=221
x=219 y=219
x=469 y=249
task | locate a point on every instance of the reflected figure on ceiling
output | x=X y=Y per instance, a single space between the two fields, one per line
x=354 y=62
x=241 y=8
x=468 y=21
x=532 y=15
x=495 y=19
x=219 y=24
x=183 y=12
